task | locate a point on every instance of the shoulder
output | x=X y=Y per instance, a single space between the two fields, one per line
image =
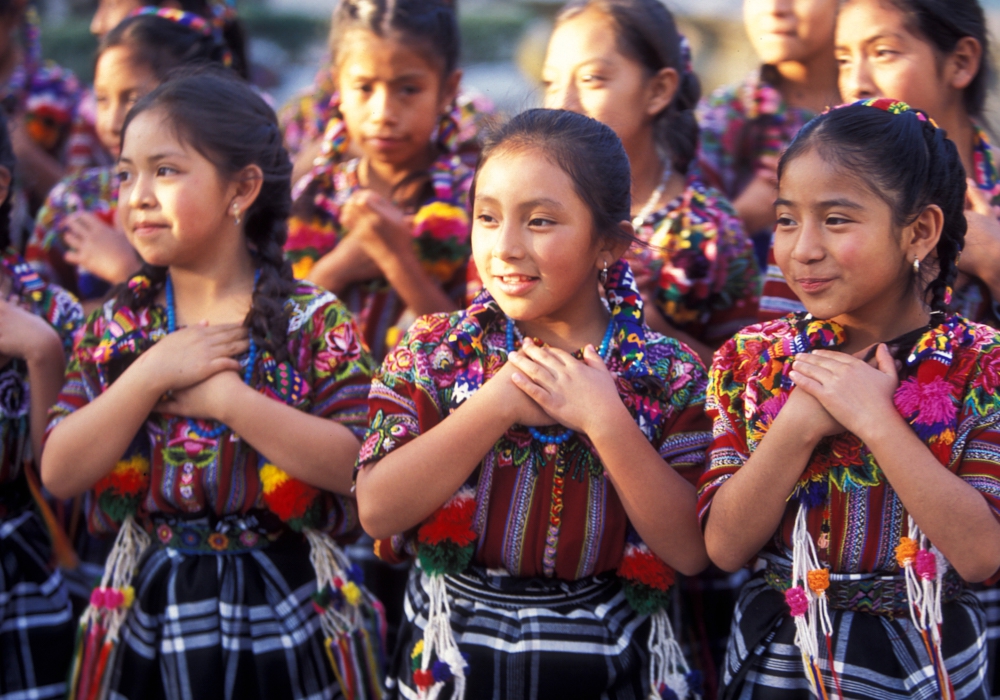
x=747 y=348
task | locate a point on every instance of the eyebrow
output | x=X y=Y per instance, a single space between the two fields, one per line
x=825 y=204
x=876 y=37
x=155 y=157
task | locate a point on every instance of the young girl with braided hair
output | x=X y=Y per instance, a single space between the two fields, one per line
x=76 y=240
x=388 y=231
x=848 y=437
x=545 y=490
x=228 y=399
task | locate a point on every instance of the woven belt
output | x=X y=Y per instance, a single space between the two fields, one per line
x=867 y=593
x=230 y=534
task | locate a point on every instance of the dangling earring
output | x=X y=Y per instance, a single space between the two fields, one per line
x=236 y=213
x=916 y=265
x=603 y=276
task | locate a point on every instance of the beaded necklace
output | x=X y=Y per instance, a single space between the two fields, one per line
x=216 y=432
x=603 y=351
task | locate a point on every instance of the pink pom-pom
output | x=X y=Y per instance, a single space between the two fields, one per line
x=797 y=601
x=926 y=565
x=113 y=598
x=97 y=597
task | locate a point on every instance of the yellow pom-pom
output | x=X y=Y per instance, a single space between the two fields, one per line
x=301 y=269
x=418 y=649
x=352 y=594
x=819 y=580
x=128 y=596
x=271 y=477
x=135 y=463
x=906 y=552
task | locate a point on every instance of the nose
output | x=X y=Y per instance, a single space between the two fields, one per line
x=140 y=192
x=855 y=80
x=380 y=106
x=508 y=244
x=782 y=8
x=808 y=246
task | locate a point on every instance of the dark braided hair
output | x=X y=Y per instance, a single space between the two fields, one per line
x=162 y=44
x=646 y=32
x=9 y=161
x=906 y=161
x=233 y=127
x=432 y=24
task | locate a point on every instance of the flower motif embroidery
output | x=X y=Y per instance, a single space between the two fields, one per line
x=218 y=541
x=164 y=533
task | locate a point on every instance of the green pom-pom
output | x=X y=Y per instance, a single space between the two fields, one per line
x=445 y=557
x=644 y=599
x=116 y=506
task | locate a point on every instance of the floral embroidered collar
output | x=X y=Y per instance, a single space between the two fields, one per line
x=986 y=167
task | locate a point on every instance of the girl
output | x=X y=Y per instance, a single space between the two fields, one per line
x=212 y=341
x=76 y=239
x=388 y=231
x=744 y=128
x=624 y=62
x=847 y=439
x=520 y=530
x=37 y=323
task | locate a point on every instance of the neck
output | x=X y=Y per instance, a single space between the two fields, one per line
x=810 y=84
x=957 y=122
x=219 y=291
x=571 y=328
x=383 y=177
x=874 y=324
x=647 y=173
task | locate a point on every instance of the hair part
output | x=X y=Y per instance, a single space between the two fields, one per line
x=162 y=44
x=600 y=172
x=228 y=123
x=430 y=24
x=647 y=33
x=907 y=162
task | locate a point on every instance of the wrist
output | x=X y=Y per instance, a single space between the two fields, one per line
x=234 y=397
x=609 y=426
x=46 y=352
x=884 y=433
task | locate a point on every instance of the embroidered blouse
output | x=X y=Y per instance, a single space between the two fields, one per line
x=61 y=311
x=707 y=281
x=94 y=191
x=443 y=360
x=440 y=236
x=948 y=393
x=327 y=375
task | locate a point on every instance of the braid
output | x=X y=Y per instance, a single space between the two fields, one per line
x=947 y=188
x=269 y=314
x=142 y=288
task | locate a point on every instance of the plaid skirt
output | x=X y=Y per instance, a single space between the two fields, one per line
x=36 y=617
x=876 y=656
x=989 y=598
x=237 y=625
x=533 y=638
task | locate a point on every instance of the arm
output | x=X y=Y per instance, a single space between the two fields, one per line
x=982 y=240
x=73 y=460
x=100 y=249
x=404 y=487
x=46 y=366
x=346 y=264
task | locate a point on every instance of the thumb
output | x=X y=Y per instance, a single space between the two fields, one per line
x=886 y=365
x=593 y=358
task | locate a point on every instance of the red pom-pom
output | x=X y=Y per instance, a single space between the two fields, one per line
x=423 y=679
x=452 y=521
x=641 y=565
x=291 y=499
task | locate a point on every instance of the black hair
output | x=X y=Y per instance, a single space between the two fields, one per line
x=226 y=121
x=946 y=22
x=907 y=162
x=7 y=160
x=646 y=32
x=432 y=24
x=600 y=171
x=163 y=44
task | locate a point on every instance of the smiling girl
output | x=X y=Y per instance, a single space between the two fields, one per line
x=76 y=240
x=849 y=437
x=388 y=231
x=228 y=398
x=536 y=450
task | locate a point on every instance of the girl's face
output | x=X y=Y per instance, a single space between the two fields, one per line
x=110 y=13
x=392 y=98
x=119 y=81
x=585 y=72
x=173 y=203
x=879 y=56
x=836 y=242
x=790 y=30
x=532 y=238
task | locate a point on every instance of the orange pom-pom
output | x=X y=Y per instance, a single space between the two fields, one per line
x=291 y=499
x=819 y=580
x=906 y=551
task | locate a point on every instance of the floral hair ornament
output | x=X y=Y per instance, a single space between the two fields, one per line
x=892 y=107
x=198 y=23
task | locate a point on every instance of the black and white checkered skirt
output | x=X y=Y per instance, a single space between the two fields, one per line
x=225 y=626
x=36 y=617
x=533 y=638
x=876 y=656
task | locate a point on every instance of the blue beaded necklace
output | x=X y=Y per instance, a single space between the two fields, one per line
x=603 y=351
x=216 y=432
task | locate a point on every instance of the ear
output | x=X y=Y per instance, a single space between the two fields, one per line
x=612 y=249
x=963 y=64
x=921 y=237
x=245 y=187
x=662 y=88
x=449 y=90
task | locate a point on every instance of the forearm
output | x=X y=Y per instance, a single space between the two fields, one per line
x=403 y=488
x=660 y=503
x=749 y=507
x=318 y=451
x=933 y=495
x=45 y=375
x=419 y=292
x=85 y=446
x=331 y=272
